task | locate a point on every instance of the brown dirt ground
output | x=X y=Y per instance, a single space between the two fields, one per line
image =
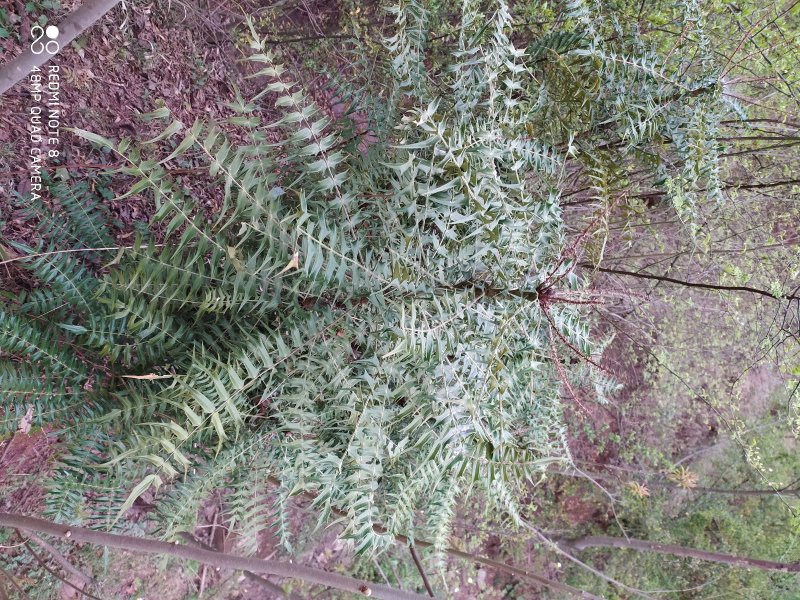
x=116 y=74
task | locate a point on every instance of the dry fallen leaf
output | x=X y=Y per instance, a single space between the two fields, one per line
x=26 y=421
x=294 y=263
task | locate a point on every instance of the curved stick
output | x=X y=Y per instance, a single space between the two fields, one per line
x=228 y=561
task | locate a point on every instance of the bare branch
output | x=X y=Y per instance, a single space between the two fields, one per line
x=421 y=570
x=602 y=541
x=60 y=558
x=43 y=564
x=707 y=286
x=228 y=561
x=266 y=584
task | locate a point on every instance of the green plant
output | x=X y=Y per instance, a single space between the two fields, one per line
x=40 y=5
x=743 y=524
x=5 y=25
x=385 y=328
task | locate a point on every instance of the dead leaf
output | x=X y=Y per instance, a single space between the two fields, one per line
x=294 y=263
x=26 y=421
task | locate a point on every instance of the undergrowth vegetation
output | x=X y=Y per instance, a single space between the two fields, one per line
x=383 y=319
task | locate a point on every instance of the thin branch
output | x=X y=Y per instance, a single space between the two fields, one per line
x=421 y=570
x=60 y=558
x=266 y=584
x=563 y=552
x=227 y=561
x=9 y=441
x=669 y=485
x=706 y=286
x=570 y=345
x=734 y=185
x=14 y=583
x=68 y=251
x=761 y=120
x=757 y=150
x=311 y=38
x=481 y=560
x=603 y=541
x=53 y=573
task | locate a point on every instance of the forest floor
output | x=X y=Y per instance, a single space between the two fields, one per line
x=186 y=54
